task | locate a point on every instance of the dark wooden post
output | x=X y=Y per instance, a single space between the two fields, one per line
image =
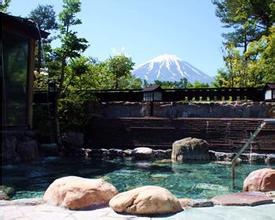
x=151 y=108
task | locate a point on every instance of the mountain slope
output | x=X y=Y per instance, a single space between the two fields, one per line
x=170 y=68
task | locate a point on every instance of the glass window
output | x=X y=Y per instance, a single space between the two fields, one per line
x=148 y=96
x=157 y=96
x=15 y=53
x=268 y=95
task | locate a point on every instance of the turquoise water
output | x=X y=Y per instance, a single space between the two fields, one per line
x=184 y=180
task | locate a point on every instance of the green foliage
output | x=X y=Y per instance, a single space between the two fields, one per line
x=86 y=73
x=221 y=79
x=120 y=67
x=4 y=6
x=67 y=16
x=40 y=81
x=63 y=63
x=170 y=85
x=261 y=57
x=253 y=68
x=249 y=19
x=252 y=28
x=44 y=16
x=182 y=84
x=197 y=85
x=71 y=45
x=72 y=111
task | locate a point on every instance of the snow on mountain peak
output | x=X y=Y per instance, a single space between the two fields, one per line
x=169 y=67
x=166 y=58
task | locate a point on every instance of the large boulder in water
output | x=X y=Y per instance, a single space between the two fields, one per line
x=142 y=153
x=260 y=180
x=77 y=193
x=190 y=149
x=146 y=200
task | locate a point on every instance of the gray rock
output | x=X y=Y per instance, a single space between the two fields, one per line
x=244 y=157
x=9 y=191
x=161 y=154
x=128 y=153
x=28 y=150
x=9 y=149
x=96 y=153
x=190 y=149
x=142 y=153
x=222 y=156
x=86 y=152
x=73 y=140
x=3 y=196
x=195 y=203
x=256 y=158
x=198 y=203
x=270 y=159
x=115 y=152
x=50 y=149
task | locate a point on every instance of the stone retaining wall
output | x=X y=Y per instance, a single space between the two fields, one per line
x=227 y=134
x=18 y=145
x=179 y=109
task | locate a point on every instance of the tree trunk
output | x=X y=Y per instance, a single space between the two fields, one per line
x=116 y=84
x=39 y=55
x=58 y=94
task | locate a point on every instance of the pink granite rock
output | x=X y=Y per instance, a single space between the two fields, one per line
x=146 y=200
x=242 y=199
x=260 y=180
x=77 y=193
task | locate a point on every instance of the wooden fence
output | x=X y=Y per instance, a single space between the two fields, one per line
x=203 y=94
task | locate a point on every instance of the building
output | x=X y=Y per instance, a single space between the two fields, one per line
x=17 y=49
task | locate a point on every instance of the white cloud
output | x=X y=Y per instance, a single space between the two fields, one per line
x=118 y=51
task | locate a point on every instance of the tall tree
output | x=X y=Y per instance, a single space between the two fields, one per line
x=249 y=19
x=251 y=24
x=45 y=18
x=71 y=47
x=253 y=68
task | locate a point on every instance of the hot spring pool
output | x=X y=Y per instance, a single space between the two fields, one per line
x=184 y=180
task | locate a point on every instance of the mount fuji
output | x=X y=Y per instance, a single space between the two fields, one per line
x=170 y=68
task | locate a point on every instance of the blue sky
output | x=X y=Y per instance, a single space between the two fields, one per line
x=144 y=29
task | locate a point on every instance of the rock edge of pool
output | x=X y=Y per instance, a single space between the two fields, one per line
x=26 y=209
